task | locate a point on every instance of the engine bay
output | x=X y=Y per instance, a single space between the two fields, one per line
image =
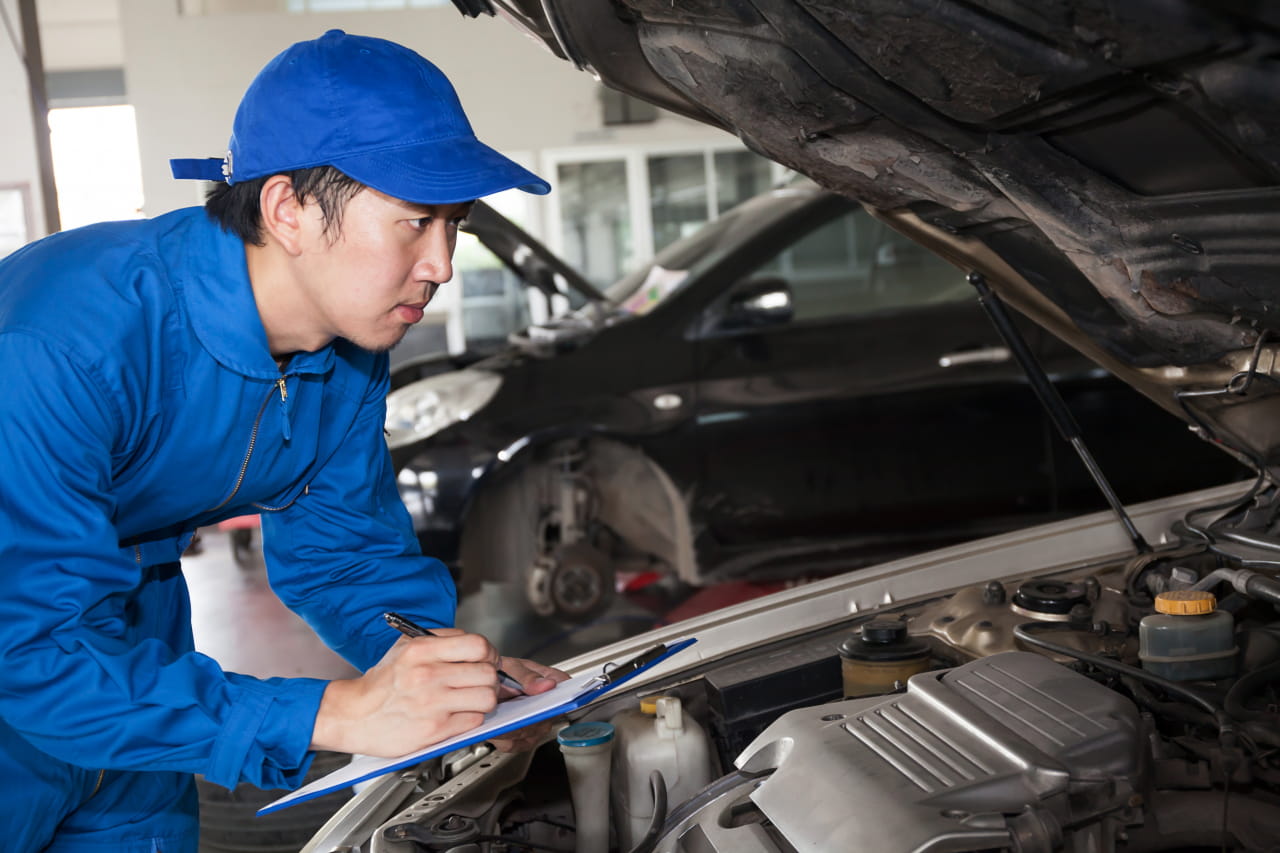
x=1125 y=705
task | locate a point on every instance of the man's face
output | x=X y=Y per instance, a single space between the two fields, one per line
x=369 y=279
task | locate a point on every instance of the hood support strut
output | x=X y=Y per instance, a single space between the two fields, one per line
x=1052 y=402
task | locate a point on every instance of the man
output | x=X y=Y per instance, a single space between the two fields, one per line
x=162 y=375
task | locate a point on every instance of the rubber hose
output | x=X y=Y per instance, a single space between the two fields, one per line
x=1245 y=687
x=659 y=787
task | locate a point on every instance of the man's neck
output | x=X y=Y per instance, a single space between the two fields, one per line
x=281 y=308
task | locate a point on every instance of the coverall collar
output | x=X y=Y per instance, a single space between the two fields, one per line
x=223 y=312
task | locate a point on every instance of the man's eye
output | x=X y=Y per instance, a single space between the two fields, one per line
x=422 y=223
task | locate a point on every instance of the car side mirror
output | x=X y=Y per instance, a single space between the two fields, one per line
x=758 y=302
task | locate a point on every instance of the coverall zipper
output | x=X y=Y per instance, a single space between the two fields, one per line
x=253 y=439
x=284 y=407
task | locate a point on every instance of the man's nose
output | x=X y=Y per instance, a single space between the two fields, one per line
x=435 y=262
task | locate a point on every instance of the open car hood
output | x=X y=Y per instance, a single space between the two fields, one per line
x=535 y=264
x=1110 y=169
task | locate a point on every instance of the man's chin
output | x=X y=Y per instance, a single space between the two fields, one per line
x=380 y=345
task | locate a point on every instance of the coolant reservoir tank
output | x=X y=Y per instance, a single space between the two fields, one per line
x=1187 y=638
x=587 y=748
x=880 y=657
x=658 y=735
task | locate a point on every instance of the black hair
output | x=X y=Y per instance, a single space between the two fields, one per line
x=237 y=209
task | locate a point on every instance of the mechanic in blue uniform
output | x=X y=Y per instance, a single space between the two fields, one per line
x=162 y=375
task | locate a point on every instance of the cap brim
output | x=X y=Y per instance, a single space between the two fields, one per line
x=445 y=171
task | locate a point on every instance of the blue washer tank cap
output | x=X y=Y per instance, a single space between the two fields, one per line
x=585 y=734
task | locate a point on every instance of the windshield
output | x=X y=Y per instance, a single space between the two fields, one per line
x=654 y=282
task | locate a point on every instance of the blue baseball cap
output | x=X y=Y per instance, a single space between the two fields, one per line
x=374 y=110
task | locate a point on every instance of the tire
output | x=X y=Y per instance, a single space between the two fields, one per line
x=229 y=823
x=242 y=547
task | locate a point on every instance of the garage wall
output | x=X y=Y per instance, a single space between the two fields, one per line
x=80 y=35
x=185 y=76
x=18 y=166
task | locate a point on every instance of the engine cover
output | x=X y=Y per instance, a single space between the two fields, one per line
x=1000 y=752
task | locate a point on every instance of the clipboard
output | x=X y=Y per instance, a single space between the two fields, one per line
x=510 y=715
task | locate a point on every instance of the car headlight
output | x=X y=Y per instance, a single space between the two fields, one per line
x=425 y=407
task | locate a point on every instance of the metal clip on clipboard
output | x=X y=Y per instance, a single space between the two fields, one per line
x=611 y=672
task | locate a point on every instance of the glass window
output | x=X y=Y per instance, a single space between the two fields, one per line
x=904 y=273
x=677 y=197
x=594 y=219
x=494 y=300
x=96 y=164
x=740 y=175
x=13 y=218
x=658 y=200
x=619 y=108
x=855 y=264
x=703 y=249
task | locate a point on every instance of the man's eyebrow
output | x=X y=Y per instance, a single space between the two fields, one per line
x=464 y=207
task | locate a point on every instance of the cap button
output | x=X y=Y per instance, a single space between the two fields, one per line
x=1185 y=602
x=585 y=734
x=882 y=632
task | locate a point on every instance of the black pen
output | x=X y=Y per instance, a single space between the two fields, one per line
x=412 y=629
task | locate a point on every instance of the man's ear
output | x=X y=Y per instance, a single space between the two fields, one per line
x=282 y=213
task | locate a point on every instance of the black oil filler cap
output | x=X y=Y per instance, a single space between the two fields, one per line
x=1055 y=597
x=882 y=640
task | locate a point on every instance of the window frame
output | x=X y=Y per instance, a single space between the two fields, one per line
x=635 y=159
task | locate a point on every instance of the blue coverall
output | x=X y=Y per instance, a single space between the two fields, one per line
x=139 y=401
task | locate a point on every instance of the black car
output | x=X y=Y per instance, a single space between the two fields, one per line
x=794 y=387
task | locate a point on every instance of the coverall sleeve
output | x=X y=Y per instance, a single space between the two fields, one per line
x=345 y=552
x=83 y=675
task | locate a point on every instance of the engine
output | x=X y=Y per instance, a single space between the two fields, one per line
x=1056 y=712
x=1004 y=752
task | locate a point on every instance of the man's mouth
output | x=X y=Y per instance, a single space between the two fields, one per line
x=410 y=313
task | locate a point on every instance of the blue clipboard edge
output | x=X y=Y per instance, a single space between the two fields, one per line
x=573 y=704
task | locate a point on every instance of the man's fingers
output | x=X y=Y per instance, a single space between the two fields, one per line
x=534 y=677
x=481 y=700
x=523 y=739
x=456 y=648
x=458 y=723
x=434 y=675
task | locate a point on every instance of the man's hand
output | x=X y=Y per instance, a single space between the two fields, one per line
x=534 y=678
x=424 y=690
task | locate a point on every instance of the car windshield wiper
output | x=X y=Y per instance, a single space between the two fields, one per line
x=1052 y=402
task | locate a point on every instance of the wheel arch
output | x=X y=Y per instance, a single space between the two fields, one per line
x=634 y=497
